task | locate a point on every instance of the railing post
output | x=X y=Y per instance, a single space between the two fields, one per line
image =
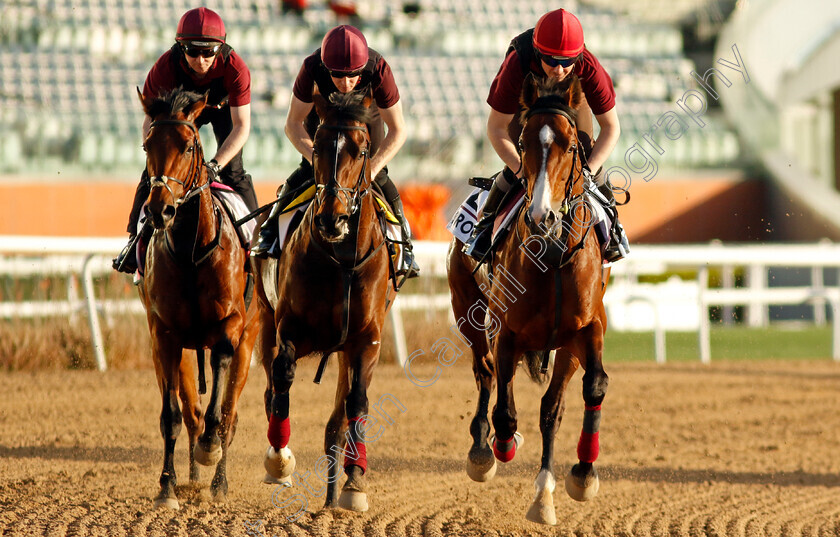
x=93 y=316
x=399 y=333
x=703 y=333
x=757 y=311
x=658 y=331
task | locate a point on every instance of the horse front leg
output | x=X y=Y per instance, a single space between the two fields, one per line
x=167 y=364
x=552 y=407
x=481 y=463
x=236 y=381
x=582 y=483
x=506 y=439
x=208 y=451
x=191 y=406
x=353 y=496
x=279 y=460
x=334 y=440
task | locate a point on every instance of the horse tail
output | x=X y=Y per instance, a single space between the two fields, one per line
x=533 y=366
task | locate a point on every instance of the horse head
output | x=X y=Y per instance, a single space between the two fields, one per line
x=548 y=144
x=174 y=158
x=341 y=161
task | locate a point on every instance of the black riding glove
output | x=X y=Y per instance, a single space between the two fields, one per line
x=213 y=170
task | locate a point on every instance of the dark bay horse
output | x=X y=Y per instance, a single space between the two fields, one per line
x=329 y=292
x=193 y=291
x=544 y=291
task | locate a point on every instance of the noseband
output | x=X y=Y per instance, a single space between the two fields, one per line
x=332 y=188
x=163 y=180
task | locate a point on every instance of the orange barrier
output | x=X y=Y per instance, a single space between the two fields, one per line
x=423 y=206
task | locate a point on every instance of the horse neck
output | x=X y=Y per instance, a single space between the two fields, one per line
x=195 y=221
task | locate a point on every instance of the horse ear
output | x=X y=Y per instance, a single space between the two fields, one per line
x=529 y=91
x=195 y=109
x=575 y=93
x=319 y=102
x=367 y=100
x=143 y=101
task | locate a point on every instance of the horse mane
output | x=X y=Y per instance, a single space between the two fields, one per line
x=173 y=101
x=555 y=93
x=348 y=106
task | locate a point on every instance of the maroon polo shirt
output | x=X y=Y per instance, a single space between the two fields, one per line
x=376 y=74
x=507 y=86
x=227 y=76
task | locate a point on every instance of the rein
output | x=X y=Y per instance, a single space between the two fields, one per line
x=193 y=191
x=354 y=197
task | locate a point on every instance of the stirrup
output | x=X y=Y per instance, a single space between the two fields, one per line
x=126 y=261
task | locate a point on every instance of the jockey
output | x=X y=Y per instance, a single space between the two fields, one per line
x=202 y=62
x=344 y=63
x=554 y=48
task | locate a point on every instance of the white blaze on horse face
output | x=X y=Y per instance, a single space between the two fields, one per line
x=541 y=202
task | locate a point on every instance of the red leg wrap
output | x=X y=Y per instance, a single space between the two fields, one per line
x=360 y=458
x=500 y=445
x=587 y=449
x=279 y=431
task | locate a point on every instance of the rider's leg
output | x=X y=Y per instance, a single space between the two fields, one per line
x=618 y=246
x=392 y=196
x=268 y=244
x=126 y=261
x=479 y=244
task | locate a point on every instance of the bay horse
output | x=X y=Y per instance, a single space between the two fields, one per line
x=329 y=292
x=193 y=291
x=544 y=291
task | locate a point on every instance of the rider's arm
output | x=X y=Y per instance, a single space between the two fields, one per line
x=241 y=118
x=296 y=128
x=393 y=140
x=607 y=139
x=497 y=133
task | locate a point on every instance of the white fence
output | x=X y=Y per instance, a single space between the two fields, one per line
x=631 y=305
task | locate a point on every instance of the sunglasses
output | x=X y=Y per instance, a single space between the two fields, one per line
x=345 y=74
x=554 y=61
x=193 y=51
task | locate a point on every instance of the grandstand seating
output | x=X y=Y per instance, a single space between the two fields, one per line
x=69 y=68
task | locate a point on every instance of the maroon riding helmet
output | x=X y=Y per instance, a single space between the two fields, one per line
x=344 y=50
x=558 y=33
x=201 y=25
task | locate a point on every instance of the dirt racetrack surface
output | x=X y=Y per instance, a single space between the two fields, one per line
x=735 y=449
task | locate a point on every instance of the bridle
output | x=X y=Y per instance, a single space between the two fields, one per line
x=190 y=192
x=353 y=196
x=571 y=179
x=195 y=166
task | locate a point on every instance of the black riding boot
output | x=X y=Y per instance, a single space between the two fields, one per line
x=479 y=243
x=618 y=246
x=269 y=243
x=409 y=266
x=126 y=261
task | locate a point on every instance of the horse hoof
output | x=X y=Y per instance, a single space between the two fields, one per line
x=582 y=489
x=167 y=503
x=271 y=480
x=542 y=509
x=207 y=458
x=481 y=464
x=353 y=500
x=279 y=464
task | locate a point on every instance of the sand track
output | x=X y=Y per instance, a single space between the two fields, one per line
x=742 y=450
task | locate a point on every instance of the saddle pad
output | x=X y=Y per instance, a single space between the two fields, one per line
x=463 y=222
x=289 y=220
x=466 y=217
x=236 y=209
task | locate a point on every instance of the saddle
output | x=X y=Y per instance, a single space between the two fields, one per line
x=291 y=215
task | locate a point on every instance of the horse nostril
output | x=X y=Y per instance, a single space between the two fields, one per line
x=168 y=212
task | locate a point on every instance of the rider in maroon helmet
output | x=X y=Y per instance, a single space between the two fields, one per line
x=554 y=48
x=344 y=63
x=201 y=61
